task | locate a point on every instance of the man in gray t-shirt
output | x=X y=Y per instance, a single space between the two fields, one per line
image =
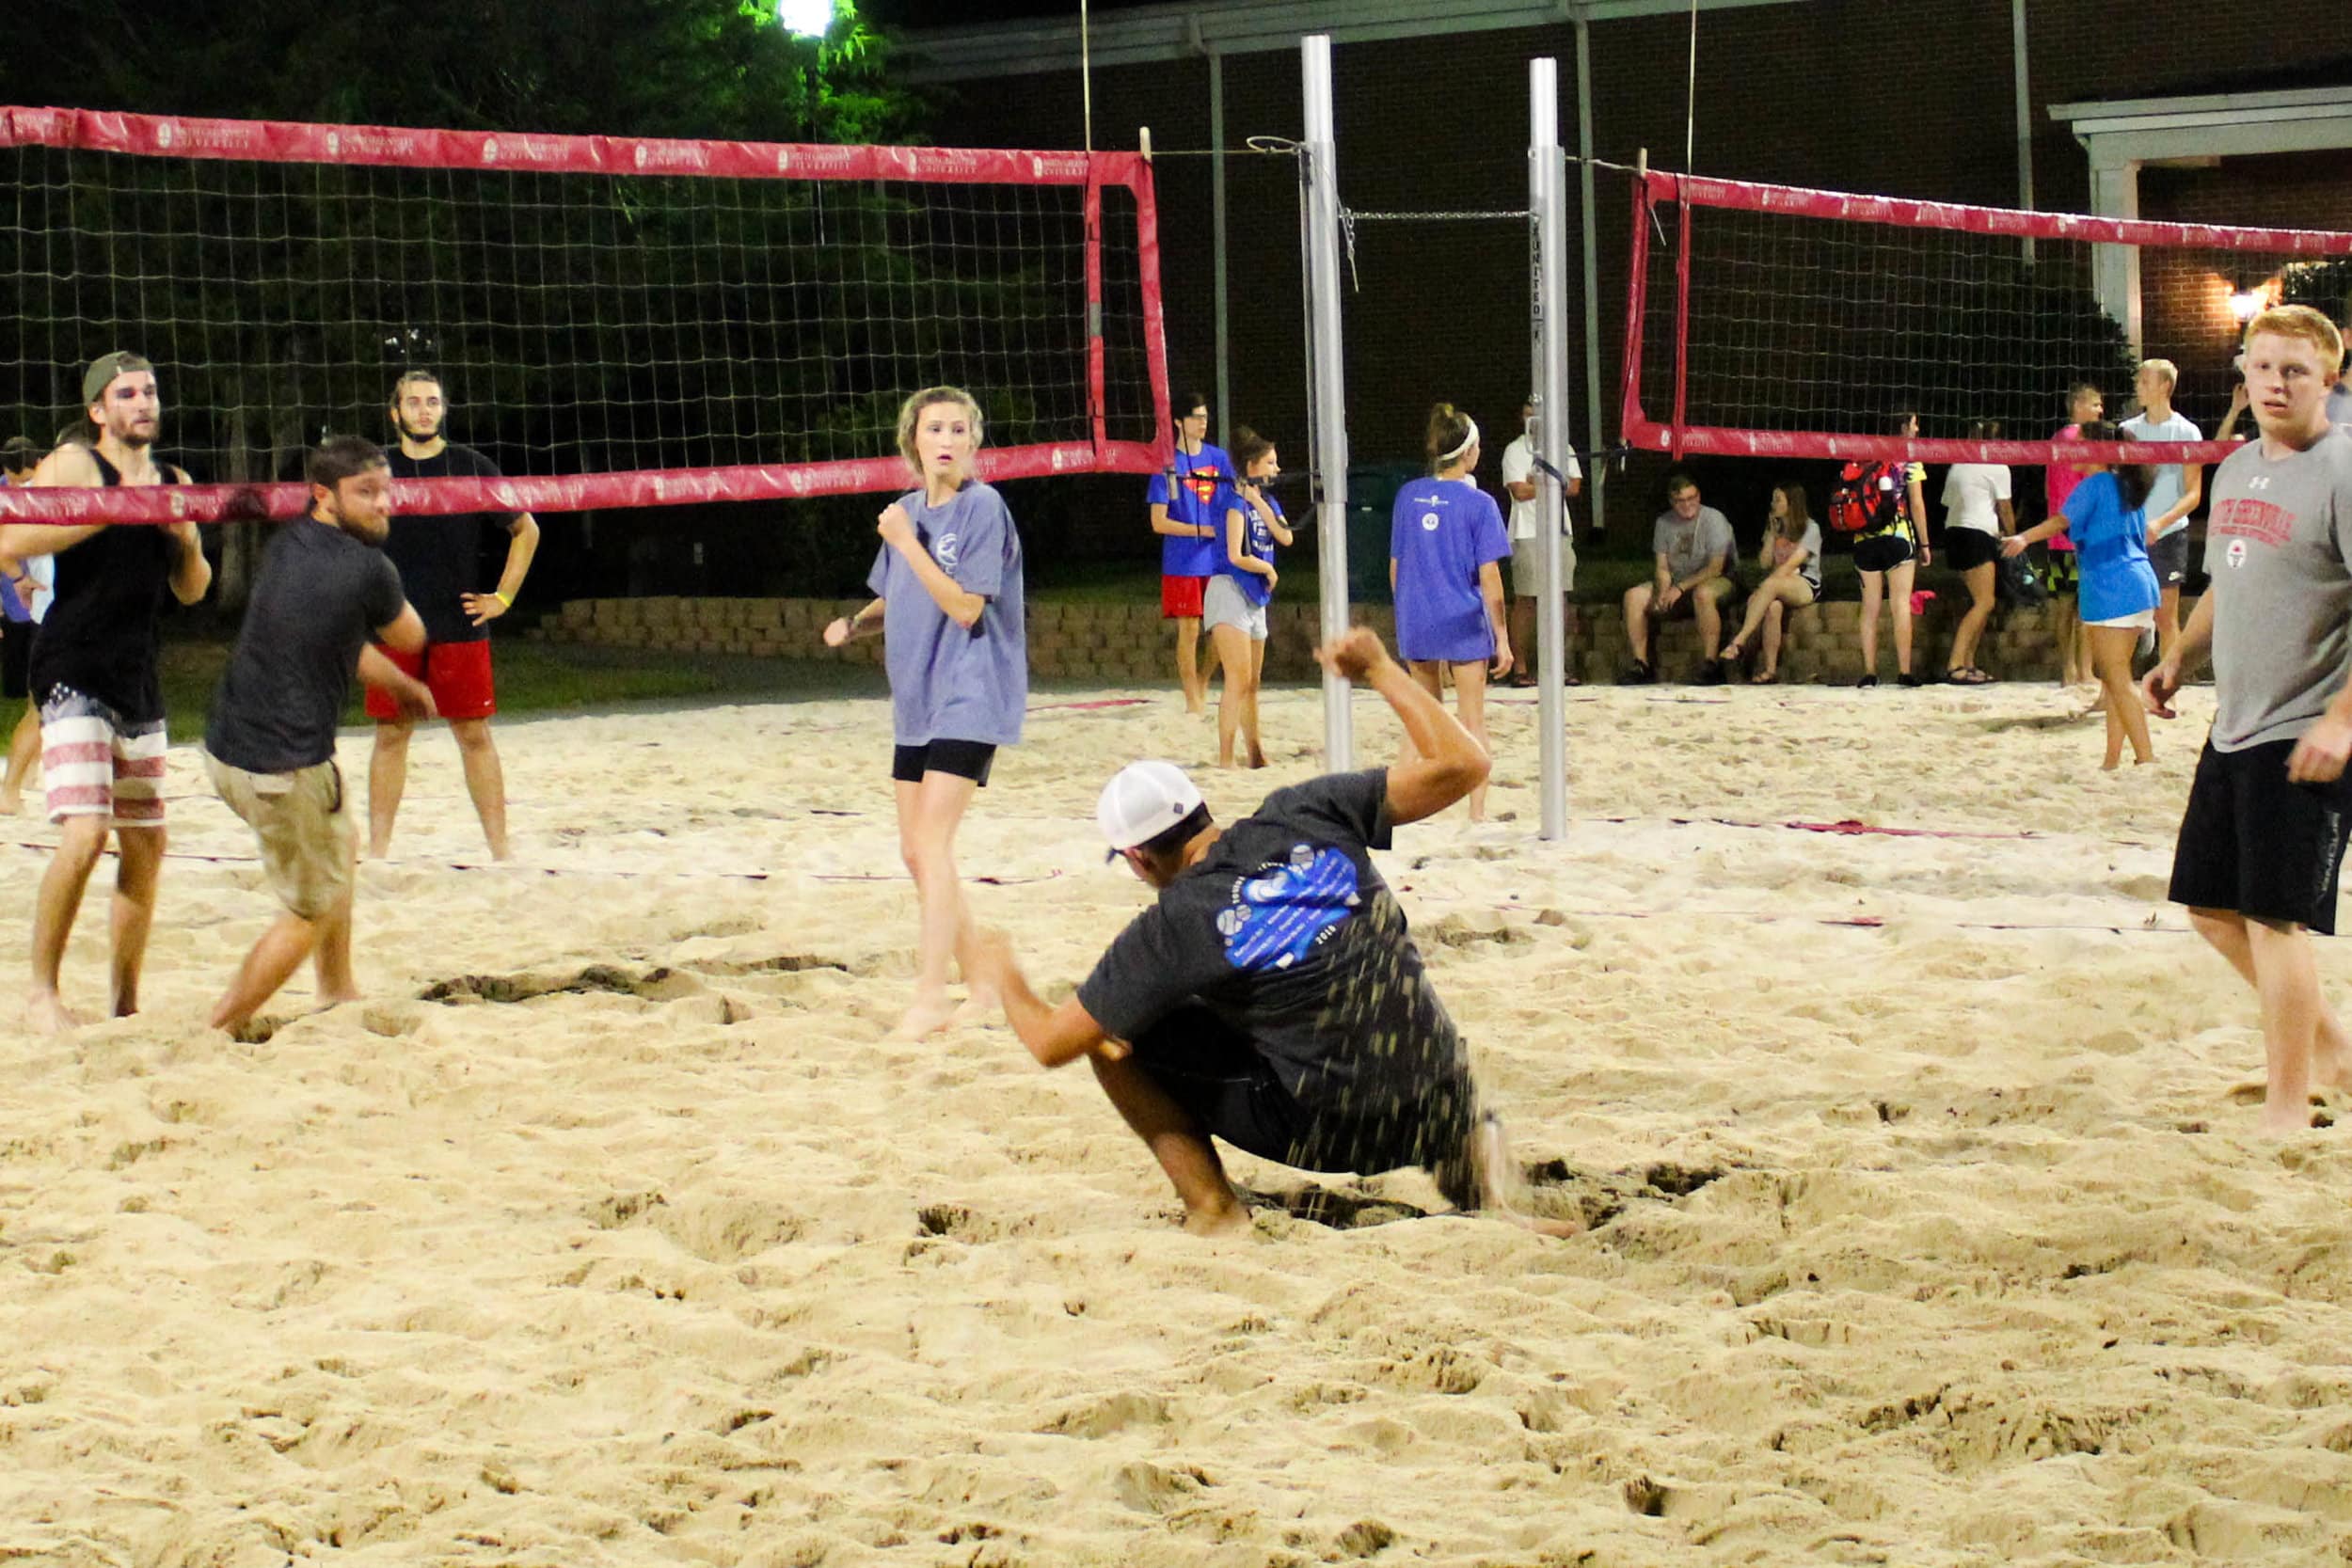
x=2263 y=834
x=1695 y=556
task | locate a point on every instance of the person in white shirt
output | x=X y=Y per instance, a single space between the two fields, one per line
x=1977 y=517
x=1526 y=559
x=2179 y=490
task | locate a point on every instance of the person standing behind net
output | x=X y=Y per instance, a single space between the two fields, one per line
x=2106 y=514
x=948 y=594
x=439 y=559
x=324 y=591
x=18 y=589
x=1235 y=606
x=2084 y=404
x=1188 y=503
x=1792 y=580
x=1527 y=544
x=1890 y=551
x=2178 y=490
x=1445 y=542
x=2261 y=840
x=1977 y=517
x=94 y=673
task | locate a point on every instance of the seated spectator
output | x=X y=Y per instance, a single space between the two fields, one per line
x=1792 y=580
x=1696 y=555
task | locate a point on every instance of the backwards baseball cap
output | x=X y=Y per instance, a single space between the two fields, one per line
x=104 y=369
x=1143 y=802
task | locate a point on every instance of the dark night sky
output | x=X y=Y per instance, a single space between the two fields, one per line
x=948 y=13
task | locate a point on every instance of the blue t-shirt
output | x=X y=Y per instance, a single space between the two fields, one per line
x=1442 y=532
x=947 y=683
x=1204 y=492
x=11 y=605
x=1257 y=541
x=2112 y=544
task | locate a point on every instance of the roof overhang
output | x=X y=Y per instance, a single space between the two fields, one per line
x=1145 y=35
x=2229 y=124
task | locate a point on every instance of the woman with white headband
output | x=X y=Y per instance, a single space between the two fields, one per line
x=1445 y=539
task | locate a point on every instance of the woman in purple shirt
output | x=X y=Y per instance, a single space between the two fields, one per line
x=1445 y=538
x=948 y=594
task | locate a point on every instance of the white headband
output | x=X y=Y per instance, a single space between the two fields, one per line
x=1468 y=441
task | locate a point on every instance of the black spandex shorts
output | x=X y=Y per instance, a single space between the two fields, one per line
x=2169 y=557
x=1214 y=1071
x=2254 y=843
x=1967 y=548
x=965 y=759
x=1882 y=552
x=16 y=656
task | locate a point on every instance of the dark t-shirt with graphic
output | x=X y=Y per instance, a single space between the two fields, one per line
x=1285 y=931
x=439 y=555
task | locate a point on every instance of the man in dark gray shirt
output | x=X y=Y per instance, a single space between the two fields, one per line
x=324 y=591
x=2263 y=839
x=1272 y=996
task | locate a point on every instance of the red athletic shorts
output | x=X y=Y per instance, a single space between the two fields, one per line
x=1180 y=598
x=457 y=674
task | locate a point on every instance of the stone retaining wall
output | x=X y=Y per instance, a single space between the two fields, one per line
x=1130 y=643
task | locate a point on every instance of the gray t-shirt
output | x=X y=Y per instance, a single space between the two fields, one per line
x=321 y=595
x=1777 y=549
x=2279 y=543
x=947 y=682
x=2169 y=481
x=1688 y=547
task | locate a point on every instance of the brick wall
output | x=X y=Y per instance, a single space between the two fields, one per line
x=1129 y=645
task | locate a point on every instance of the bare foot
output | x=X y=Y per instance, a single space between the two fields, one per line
x=331 y=999
x=925 y=1018
x=45 y=1014
x=1498 y=1180
x=11 y=802
x=1257 y=757
x=2283 y=1121
x=1224 y=1221
x=981 y=1007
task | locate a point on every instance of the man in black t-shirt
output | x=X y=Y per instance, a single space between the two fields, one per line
x=93 y=673
x=439 y=558
x=1272 y=997
x=324 y=591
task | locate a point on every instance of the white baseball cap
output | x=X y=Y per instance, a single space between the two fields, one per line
x=1143 y=802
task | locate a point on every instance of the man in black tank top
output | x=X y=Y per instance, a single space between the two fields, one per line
x=439 y=556
x=94 y=675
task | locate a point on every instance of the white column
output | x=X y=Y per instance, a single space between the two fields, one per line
x=2115 y=268
x=1327 y=386
x=1548 y=306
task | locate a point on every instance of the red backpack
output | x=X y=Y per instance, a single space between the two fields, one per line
x=1868 y=497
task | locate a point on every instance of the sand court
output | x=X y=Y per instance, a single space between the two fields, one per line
x=1928 y=1226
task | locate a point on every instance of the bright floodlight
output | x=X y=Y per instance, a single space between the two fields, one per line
x=806 y=19
x=2246 y=306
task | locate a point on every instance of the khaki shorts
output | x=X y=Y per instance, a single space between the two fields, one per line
x=1527 y=567
x=308 y=838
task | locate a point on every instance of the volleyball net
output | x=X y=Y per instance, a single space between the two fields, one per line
x=617 y=322
x=1779 y=322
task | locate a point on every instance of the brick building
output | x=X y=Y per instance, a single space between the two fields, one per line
x=1904 y=99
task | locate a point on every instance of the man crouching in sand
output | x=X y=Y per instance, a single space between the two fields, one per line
x=1272 y=997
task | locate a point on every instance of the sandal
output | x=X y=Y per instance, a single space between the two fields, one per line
x=1765 y=677
x=1968 y=674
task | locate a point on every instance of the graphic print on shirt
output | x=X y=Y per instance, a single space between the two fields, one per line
x=1283 y=910
x=1203 y=482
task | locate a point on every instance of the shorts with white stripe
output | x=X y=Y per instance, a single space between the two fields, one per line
x=95 y=763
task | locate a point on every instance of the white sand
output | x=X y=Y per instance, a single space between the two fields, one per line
x=1937 y=1242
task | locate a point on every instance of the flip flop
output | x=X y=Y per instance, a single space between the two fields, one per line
x=1765 y=677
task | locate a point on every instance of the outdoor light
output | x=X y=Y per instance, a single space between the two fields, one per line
x=806 y=19
x=2247 y=305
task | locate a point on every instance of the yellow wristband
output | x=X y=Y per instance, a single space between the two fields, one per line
x=504 y=603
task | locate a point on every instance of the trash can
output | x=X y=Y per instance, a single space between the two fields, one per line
x=1372 y=489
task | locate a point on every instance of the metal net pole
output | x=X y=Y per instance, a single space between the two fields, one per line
x=1547 y=203
x=1327 y=391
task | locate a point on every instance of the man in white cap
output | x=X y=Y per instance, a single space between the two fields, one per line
x=1272 y=997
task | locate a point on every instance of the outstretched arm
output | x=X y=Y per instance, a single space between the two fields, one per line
x=1447 y=761
x=1055 y=1036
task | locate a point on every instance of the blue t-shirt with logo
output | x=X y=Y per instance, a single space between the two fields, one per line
x=2112 y=544
x=949 y=682
x=1440 y=534
x=1257 y=541
x=1202 y=493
